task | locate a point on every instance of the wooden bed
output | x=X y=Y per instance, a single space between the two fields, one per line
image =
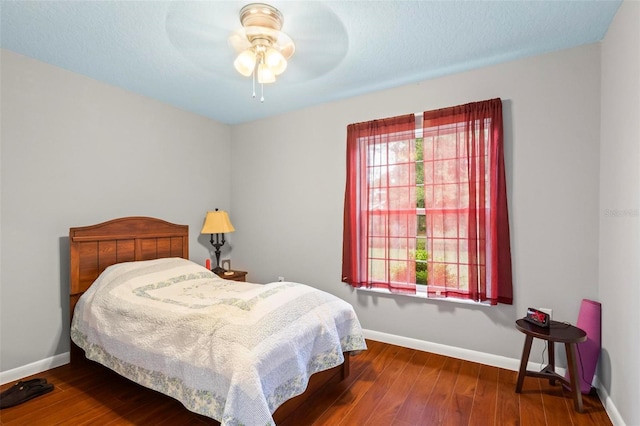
x=94 y=248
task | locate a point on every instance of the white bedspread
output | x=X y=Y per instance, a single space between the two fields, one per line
x=229 y=350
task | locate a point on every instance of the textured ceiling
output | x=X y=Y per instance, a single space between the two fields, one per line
x=177 y=51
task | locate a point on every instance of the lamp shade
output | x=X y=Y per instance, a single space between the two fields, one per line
x=265 y=75
x=275 y=61
x=217 y=222
x=245 y=62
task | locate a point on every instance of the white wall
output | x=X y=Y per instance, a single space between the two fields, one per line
x=77 y=152
x=288 y=186
x=619 y=275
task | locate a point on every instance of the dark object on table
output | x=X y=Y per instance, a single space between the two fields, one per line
x=539 y=318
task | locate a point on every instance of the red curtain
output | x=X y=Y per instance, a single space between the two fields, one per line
x=380 y=205
x=463 y=226
x=467 y=222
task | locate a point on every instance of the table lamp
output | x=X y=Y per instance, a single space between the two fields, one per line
x=217 y=222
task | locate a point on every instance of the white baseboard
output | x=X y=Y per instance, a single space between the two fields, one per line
x=487 y=359
x=609 y=406
x=34 y=368
x=452 y=351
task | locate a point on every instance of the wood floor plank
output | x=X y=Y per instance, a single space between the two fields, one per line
x=508 y=401
x=483 y=409
x=531 y=403
x=369 y=404
x=459 y=410
x=389 y=384
x=436 y=408
x=392 y=401
x=414 y=403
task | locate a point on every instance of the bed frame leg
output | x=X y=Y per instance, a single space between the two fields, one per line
x=345 y=365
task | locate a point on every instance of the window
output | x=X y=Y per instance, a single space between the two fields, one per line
x=425 y=205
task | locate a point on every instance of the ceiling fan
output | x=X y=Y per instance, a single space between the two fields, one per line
x=260 y=43
x=211 y=37
x=263 y=48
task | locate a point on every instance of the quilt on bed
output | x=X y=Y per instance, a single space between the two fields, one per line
x=229 y=350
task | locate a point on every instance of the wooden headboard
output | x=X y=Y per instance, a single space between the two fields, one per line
x=95 y=247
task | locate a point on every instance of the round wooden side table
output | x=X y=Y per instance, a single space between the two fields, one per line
x=557 y=332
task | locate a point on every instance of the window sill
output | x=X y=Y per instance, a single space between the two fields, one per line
x=424 y=295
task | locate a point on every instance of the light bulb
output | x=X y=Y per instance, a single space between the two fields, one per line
x=265 y=75
x=245 y=63
x=276 y=62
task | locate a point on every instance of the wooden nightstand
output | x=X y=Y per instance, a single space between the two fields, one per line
x=237 y=276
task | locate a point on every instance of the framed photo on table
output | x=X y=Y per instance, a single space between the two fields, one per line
x=226 y=264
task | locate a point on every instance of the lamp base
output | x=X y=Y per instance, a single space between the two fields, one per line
x=218 y=270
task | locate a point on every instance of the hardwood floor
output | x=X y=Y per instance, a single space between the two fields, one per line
x=388 y=385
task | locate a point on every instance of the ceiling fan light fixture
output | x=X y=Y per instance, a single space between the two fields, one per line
x=275 y=61
x=265 y=75
x=263 y=48
x=245 y=63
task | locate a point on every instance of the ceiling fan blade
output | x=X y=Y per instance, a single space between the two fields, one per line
x=239 y=41
x=200 y=31
x=320 y=37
